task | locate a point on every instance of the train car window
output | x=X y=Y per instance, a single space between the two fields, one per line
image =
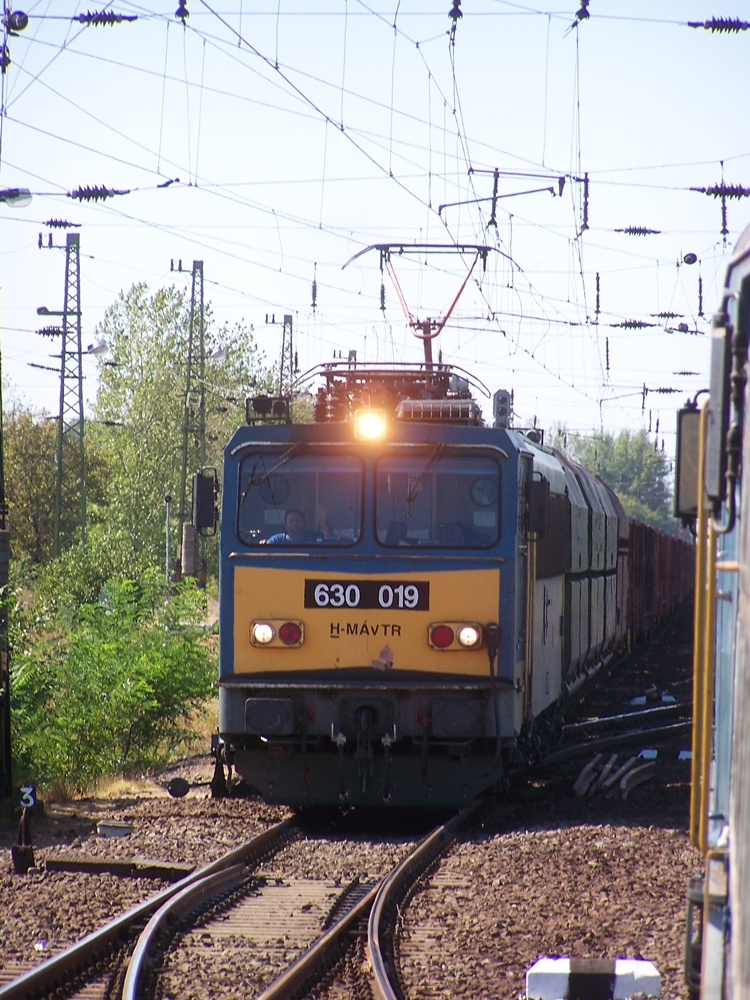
x=443 y=501
x=306 y=500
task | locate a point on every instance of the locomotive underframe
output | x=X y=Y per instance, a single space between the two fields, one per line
x=428 y=743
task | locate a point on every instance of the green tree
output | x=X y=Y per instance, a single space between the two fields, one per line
x=140 y=407
x=631 y=466
x=110 y=686
x=30 y=454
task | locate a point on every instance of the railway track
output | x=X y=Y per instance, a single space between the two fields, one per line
x=243 y=919
x=94 y=966
x=236 y=926
x=636 y=729
x=309 y=932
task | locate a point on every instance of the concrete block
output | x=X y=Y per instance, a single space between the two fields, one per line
x=591 y=979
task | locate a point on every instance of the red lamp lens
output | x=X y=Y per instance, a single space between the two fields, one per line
x=290 y=633
x=442 y=636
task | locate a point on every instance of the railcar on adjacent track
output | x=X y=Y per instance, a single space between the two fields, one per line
x=712 y=469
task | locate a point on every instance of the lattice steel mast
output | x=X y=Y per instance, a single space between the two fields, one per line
x=70 y=449
x=194 y=418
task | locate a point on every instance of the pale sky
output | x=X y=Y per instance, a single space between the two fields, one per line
x=303 y=132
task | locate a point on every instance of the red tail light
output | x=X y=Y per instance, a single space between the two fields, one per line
x=442 y=636
x=290 y=633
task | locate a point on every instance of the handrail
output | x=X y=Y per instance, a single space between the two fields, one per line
x=707 y=697
x=703 y=655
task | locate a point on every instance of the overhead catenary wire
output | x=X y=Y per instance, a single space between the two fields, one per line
x=274 y=207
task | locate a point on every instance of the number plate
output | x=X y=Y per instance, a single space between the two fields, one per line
x=390 y=595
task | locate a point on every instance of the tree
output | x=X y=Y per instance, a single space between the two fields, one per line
x=30 y=453
x=141 y=401
x=631 y=466
x=110 y=686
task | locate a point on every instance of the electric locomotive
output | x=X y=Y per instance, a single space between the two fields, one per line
x=407 y=594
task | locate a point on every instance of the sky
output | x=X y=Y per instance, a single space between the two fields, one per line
x=276 y=140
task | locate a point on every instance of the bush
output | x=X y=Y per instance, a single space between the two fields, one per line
x=109 y=687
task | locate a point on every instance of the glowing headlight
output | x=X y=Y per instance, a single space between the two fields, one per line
x=469 y=635
x=262 y=633
x=370 y=425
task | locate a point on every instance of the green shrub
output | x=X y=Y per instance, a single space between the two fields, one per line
x=108 y=687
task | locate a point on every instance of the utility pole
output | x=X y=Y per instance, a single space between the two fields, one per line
x=70 y=425
x=194 y=419
x=70 y=445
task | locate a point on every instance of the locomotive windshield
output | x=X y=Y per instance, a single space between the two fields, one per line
x=437 y=499
x=300 y=499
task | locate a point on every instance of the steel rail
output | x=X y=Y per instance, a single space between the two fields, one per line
x=184 y=902
x=626 y=718
x=307 y=966
x=653 y=734
x=75 y=957
x=395 y=887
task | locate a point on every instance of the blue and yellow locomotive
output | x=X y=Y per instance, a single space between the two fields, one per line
x=407 y=595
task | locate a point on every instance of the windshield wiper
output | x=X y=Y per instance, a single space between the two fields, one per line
x=416 y=488
x=288 y=455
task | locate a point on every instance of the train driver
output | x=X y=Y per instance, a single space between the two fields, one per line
x=294 y=528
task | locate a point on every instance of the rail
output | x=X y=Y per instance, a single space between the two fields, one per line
x=84 y=952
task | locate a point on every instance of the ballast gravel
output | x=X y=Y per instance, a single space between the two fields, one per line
x=579 y=877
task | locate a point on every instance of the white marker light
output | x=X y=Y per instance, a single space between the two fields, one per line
x=469 y=635
x=261 y=633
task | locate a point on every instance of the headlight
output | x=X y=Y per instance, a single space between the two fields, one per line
x=469 y=636
x=261 y=633
x=370 y=425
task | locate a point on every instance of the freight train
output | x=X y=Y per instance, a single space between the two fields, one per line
x=409 y=595
x=712 y=469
